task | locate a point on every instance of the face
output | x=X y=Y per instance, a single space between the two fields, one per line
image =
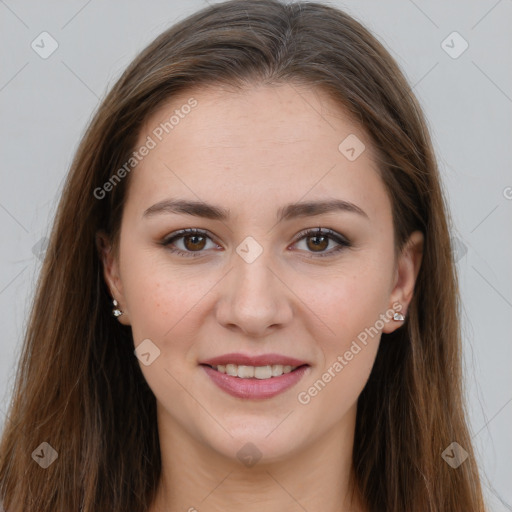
x=269 y=279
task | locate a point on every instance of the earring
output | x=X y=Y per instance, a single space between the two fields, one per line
x=116 y=311
x=398 y=317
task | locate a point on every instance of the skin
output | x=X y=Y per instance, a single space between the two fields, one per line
x=254 y=151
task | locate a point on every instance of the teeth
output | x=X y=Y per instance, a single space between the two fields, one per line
x=263 y=372
x=258 y=372
x=232 y=369
x=246 y=372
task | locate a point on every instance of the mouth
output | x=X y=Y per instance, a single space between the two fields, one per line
x=255 y=382
x=254 y=372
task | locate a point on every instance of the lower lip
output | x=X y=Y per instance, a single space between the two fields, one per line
x=255 y=388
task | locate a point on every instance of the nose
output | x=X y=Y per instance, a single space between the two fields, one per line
x=254 y=298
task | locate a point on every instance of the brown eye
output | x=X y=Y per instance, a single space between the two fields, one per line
x=190 y=242
x=194 y=242
x=318 y=242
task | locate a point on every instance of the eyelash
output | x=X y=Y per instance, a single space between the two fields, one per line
x=330 y=234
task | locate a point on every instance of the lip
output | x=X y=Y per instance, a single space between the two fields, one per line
x=261 y=360
x=255 y=388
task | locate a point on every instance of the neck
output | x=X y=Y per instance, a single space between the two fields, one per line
x=195 y=477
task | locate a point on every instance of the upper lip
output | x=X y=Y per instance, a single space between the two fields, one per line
x=261 y=360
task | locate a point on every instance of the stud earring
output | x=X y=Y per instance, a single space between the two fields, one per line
x=398 y=317
x=116 y=311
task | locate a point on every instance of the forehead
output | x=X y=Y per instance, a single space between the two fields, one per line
x=256 y=116
x=283 y=142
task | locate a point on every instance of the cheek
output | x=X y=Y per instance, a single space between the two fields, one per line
x=166 y=301
x=349 y=306
x=160 y=298
x=347 y=301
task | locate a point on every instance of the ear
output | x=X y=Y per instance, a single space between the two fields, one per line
x=111 y=273
x=406 y=272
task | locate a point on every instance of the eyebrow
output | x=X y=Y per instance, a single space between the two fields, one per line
x=287 y=212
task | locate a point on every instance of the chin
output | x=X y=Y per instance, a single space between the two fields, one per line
x=264 y=441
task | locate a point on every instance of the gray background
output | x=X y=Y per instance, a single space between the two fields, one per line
x=45 y=105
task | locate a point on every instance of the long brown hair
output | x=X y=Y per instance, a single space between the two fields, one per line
x=79 y=387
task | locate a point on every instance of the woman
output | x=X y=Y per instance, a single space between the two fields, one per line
x=249 y=298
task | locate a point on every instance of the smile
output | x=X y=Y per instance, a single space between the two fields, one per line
x=255 y=382
x=257 y=372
